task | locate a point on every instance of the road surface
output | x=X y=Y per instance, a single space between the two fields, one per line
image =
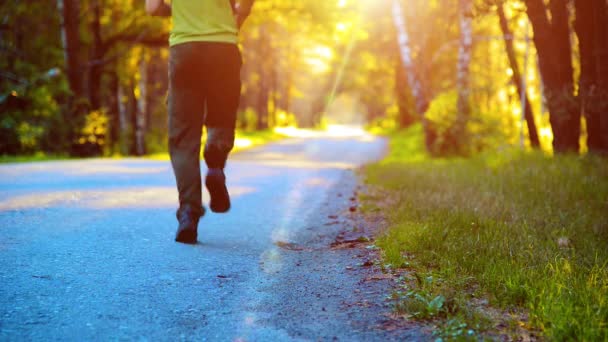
x=87 y=251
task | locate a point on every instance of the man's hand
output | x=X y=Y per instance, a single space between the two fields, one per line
x=242 y=11
x=158 y=8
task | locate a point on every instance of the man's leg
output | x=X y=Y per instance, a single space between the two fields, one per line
x=186 y=115
x=224 y=91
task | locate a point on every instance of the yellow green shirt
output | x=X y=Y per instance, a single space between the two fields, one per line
x=202 y=21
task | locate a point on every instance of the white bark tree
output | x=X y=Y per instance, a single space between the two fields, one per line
x=464 y=61
x=405 y=51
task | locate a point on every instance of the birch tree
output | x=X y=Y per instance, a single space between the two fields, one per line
x=415 y=85
x=405 y=51
x=464 y=61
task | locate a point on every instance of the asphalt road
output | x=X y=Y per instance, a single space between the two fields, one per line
x=87 y=251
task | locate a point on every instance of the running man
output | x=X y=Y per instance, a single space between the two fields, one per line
x=204 y=90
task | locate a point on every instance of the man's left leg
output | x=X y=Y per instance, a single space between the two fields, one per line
x=186 y=116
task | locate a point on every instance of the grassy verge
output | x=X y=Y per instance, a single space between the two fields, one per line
x=30 y=158
x=522 y=232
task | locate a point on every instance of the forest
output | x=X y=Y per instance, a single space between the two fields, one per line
x=487 y=213
x=89 y=78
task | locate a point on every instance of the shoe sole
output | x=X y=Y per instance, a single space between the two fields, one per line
x=220 y=199
x=187 y=236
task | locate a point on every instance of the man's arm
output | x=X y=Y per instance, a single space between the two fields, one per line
x=158 y=8
x=243 y=9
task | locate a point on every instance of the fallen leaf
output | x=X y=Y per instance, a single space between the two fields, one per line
x=289 y=246
x=332 y=223
x=383 y=276
x=368 y=263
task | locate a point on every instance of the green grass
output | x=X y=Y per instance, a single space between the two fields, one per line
x=39 y=156
x=522 y=229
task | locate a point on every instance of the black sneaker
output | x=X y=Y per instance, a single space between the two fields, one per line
x=216 y=184
x=188 y=224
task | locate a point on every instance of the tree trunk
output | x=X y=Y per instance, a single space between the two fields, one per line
x=406 y=117
x=78 y=106
x=124 y=99
x=601 y=61
x=552 y=40
x=262 y=107
x=97 y=53
x=405 y=50
x=274 y=94
x=463 y=86
x=141 y=113
x=517 y=77
x=133 y=113
x=593 y=44
x=415 y=85
x=114 y=113
x=286 y=93
x=263 y=91
x=69 y=11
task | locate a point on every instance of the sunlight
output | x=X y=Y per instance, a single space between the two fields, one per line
x=318 y=58
x=294 y=132
x=345 y=131
x=312 y=164
x=133 y=197
x=331 y=131
x=240 y=143
x=271 y=261
x=503 y=96
x=546 y=134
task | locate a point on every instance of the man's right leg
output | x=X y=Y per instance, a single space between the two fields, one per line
x=223 y=94
x=186 y=116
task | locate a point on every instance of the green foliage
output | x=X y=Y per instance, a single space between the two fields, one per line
x=484 y=131
x=93 y=135
x=36 y=157
x=421 y=305
x=455 y=329
x=30 y=120
x=29 y=93
x=524 y=229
